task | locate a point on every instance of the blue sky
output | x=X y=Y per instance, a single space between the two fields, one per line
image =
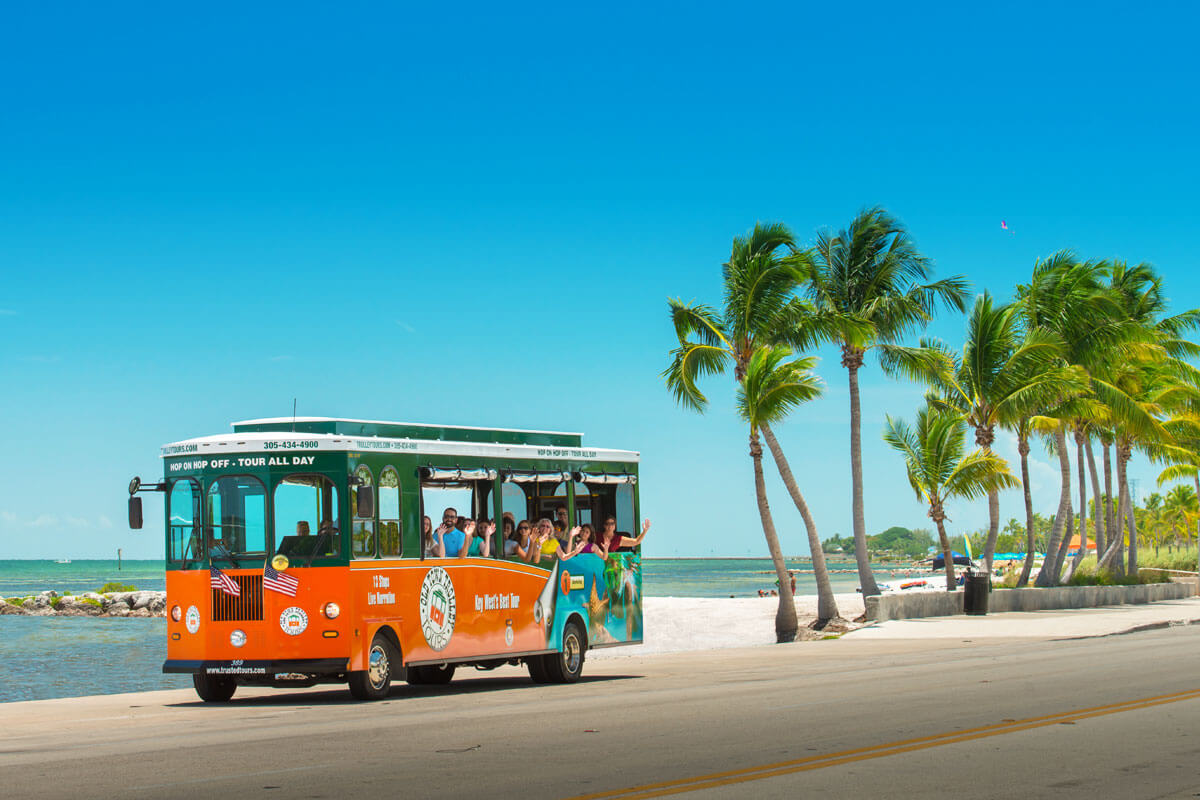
x=475 y=215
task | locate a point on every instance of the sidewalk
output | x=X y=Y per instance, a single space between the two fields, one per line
x=1056 y=624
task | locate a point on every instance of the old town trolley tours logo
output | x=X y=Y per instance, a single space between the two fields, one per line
x=437 y=608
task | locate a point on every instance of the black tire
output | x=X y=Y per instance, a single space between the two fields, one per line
x=375 y=681
x=415 y=676
x=437 y=674
x=213 y=689
x=566 y=665
x=537 y=669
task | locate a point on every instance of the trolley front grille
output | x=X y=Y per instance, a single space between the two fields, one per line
x=247 y=608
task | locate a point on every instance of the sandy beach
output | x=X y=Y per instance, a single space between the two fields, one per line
x=676 y=624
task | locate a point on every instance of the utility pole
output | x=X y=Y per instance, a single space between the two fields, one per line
x=118 y=559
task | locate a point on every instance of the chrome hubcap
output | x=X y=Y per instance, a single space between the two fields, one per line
x=572 y=652
x=378 y=667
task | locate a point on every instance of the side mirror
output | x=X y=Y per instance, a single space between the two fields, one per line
x=135 y=513
x=365 y=496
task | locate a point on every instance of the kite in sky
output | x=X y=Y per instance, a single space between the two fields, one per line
x=1003 y=225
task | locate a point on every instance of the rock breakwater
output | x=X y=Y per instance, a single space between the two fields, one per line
x=87 y=604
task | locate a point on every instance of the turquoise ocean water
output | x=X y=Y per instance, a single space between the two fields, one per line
x=67 y=657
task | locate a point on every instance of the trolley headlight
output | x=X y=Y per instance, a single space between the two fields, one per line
x=280 y=562
x=176 y=613
x=237 y=638
x=331 y=610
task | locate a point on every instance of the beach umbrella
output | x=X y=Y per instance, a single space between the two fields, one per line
x=939 y=561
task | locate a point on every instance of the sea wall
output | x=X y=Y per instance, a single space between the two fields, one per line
x=87 y=604
x=916 y=605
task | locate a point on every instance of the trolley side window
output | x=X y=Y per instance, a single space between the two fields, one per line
x=362 y=516
x=306 y=517
x=390 y=543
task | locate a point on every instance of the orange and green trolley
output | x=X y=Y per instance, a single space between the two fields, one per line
x=294 y=554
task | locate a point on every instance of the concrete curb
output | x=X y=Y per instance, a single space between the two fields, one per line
x=1149 y=626
x=918 y=605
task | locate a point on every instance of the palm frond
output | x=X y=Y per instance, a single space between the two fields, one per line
x=689 y=362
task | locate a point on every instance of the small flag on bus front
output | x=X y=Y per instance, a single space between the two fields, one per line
x=276 y=581
x=226 y=584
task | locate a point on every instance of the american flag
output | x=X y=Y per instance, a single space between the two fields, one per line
x=276 y=581
x=219 y=580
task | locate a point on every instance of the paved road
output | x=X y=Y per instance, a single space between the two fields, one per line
x=1106 y=717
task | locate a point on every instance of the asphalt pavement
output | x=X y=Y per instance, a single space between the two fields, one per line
x=1035 y=714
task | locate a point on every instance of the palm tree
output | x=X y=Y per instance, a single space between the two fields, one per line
x=938 y=470
x=763 y=271
x=771 y=389
x=1001 y=376
x=1145 y=384
x=866 y=287
x=1070 y=298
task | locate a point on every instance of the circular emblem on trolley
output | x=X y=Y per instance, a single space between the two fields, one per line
x=192 y=620
x=437 y=608
x=293 y=621
x=508 y=634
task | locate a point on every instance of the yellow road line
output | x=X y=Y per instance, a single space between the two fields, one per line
x=718 y=779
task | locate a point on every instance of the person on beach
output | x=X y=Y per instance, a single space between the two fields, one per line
x=611 y=541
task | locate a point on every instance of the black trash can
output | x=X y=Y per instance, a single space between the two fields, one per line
x=975 y=593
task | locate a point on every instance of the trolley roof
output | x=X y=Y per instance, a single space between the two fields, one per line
x=276 y=436
x=406 y=430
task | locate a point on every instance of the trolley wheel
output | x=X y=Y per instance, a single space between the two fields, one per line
x=537 y=668
x=435 y=674
x=375 y=681
x=213 y=689
x=566 y=665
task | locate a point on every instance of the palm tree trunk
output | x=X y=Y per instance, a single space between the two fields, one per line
x=1048 y=576
x=1097 y=514
x=989 y=548
x=1083 y=536
x=865 y=577
x=1027 y=567
x=786 y=625
x=1123 y=455
x=1123 y=510
x=984 y=436
x=947 y=553
x=1064 y=545
x=1109 y=526
x=826 y=603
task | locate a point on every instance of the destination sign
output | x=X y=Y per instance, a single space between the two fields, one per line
x=241 y=463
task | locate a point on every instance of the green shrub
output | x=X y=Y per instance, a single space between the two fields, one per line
x=113 y=586
x=91 y=601
x=55 y=602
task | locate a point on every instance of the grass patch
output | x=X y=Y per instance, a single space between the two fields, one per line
x=1181 y=559
x=113 y=586
x=90 y=601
